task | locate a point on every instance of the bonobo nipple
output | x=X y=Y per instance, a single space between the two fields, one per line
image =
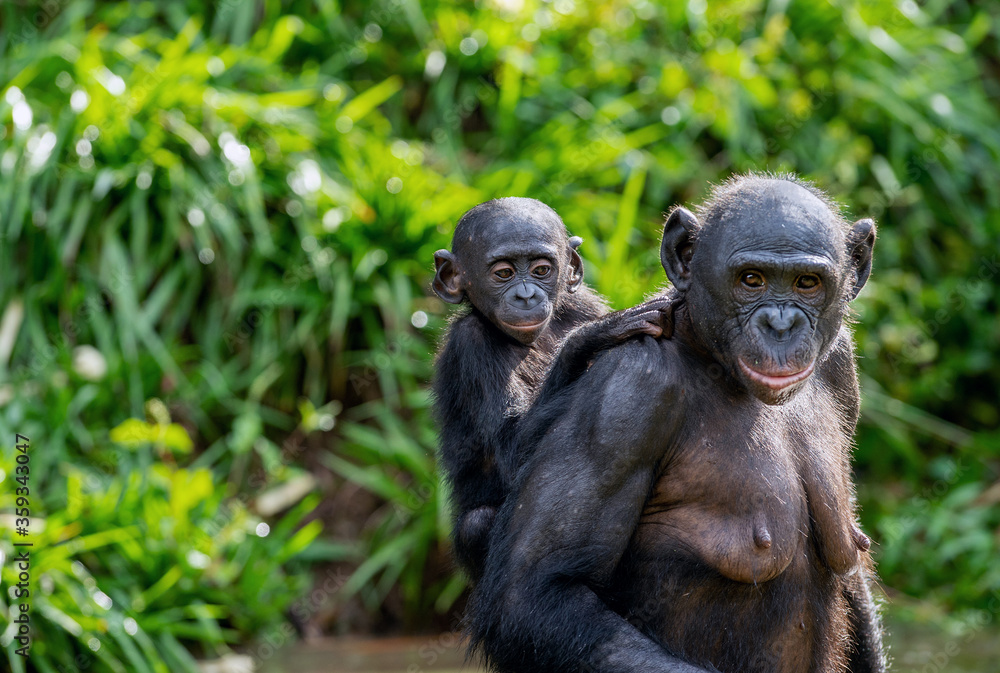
x=861 y=541
x=761 y=538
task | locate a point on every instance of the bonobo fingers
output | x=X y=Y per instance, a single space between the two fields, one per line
x=657 y=314
x=666 y=307
x=635 y=324
x=653 y=318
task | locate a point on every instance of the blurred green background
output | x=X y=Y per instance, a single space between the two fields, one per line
x=217 y=223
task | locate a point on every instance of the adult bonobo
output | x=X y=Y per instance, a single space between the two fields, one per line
x=689 y=505
x=514 y=263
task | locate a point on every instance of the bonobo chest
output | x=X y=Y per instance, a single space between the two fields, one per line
x=734 y=490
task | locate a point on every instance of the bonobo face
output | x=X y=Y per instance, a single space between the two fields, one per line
x=512 y=260
x=771 y=292
x=766 y=284
x=515 y=280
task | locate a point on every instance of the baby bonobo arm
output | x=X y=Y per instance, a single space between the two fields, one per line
x=471 y=400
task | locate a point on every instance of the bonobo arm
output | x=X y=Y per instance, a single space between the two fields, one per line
x=579 y=348
x=866 y=654
x=576 y=507
x=471 y=397
x=653 y=318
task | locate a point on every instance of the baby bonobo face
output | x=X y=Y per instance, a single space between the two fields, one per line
x=516 y=285
x=512 y=260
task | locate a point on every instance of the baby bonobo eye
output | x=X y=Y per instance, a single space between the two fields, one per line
x=752 y=279
x=807 y=282
x=541 y=270
x=503 y=271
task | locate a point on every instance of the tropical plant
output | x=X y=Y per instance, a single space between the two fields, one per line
x=217 y=221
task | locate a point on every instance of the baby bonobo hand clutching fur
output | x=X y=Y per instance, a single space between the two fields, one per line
x=514 y=264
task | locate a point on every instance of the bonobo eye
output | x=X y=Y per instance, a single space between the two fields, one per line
x=807 y=282
x=752 y=279
x=541 y=271
x=503 y=272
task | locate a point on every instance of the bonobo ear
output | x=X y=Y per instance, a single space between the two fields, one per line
x=860 y=242
x=575 y=265
x=447 y=280
x=678 y=246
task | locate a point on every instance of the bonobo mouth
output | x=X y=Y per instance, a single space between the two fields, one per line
x=525 y=332
x=524 y=326
x=777 y=379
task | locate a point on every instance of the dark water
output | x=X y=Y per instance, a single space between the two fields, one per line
x=444 y=653
x=973 y=647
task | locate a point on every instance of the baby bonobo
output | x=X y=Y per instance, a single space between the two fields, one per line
x=514 y=263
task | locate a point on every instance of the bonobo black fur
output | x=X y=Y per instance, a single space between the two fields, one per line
x=687 y=505
x=523 y=278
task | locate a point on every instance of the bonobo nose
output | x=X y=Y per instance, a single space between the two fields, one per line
x=779 y=321
x=526 y=296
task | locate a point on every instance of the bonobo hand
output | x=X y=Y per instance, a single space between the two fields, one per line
x=654 y=317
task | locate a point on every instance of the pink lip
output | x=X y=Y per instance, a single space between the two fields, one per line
x=779 y=381
x=525 y=328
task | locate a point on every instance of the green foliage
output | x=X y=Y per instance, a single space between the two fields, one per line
x=953 y=535
x=220 y=217
x=131 y=566
x=414 y=519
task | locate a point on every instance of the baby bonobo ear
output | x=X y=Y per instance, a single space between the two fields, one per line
x=860 y=242
x=575 y=265
x=678 y=246
x=447 y=280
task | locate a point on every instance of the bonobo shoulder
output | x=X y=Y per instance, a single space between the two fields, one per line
x=618 y=416
x=466 y=326
x=839 y=365
x=638 y=376
x=640 y=356
x=839 y=375
x=466 y=332
x=466 y=335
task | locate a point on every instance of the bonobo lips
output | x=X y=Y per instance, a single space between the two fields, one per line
x=525 y=328
x=777 y=379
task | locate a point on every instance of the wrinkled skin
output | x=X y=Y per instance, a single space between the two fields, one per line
x=688 y=505
x=508 y=267
x=514 y=264
x=784 y=283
